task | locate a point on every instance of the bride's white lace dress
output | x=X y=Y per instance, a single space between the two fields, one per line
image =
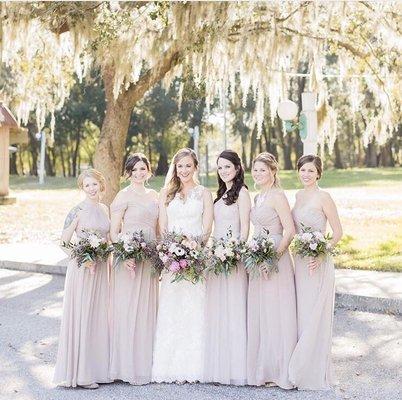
x=180 y=329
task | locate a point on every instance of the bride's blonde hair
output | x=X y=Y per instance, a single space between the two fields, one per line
x=173 y=183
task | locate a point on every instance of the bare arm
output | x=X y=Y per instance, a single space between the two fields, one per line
x=70 y=224
x=208 y=215
x=115 y=224
x=331 y=213
x=116 y=218
x=163 y=221
x=283 y=209
x=244 y=212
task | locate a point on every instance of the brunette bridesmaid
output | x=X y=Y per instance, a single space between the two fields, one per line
x=271 y=321
x=83 y=353
x=226 y=338
x=134 y=287
x=310 y=366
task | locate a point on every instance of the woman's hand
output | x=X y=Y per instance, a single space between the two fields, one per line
x=313 y=264
x=130 y=264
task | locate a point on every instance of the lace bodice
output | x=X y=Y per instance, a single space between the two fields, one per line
x=225 y=218
x=186 y=216
x=140 y=213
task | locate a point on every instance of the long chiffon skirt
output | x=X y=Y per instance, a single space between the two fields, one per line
x=272 y=326
x=226 y=328
x=83 y=352
x=134 y=301
x=310 y=366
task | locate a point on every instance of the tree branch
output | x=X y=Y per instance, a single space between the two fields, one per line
x=169 y=60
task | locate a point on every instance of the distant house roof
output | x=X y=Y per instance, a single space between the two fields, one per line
x=6 y=118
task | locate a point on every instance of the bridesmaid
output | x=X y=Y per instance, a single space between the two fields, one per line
x=226 y=306
x=310 y=366
x=134 y=297
x=271 y=317
x=83 y=353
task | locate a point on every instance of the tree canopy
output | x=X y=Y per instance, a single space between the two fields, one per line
x=348 y=47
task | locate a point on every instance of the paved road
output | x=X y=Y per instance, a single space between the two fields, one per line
x=367 y=352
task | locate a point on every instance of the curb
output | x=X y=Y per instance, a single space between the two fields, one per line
x=342 y=300
x=41 y=268
x=379 y=305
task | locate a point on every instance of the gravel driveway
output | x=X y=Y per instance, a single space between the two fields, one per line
x=367 y=352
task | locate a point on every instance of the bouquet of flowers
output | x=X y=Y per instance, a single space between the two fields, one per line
x=132 y=246
x=183 y=256
x=225 y=254
x=89 y=249
x=311 y=243
x=260 y=257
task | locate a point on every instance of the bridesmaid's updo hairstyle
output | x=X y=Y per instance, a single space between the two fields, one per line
x=132 y=159
x=238 y=181
x=311 y=159
x=173 y=183
x=270 y=161
x=92 y=173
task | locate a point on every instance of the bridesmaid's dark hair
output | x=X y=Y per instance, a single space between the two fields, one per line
x=310 y=158
x=132 y=159
x=238 y=181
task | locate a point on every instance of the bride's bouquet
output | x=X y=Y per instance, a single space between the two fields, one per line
x=132 y=246
x=260 y=257
x=225 y=254
x=89 y=249
x=311 y=243
x=182 y=256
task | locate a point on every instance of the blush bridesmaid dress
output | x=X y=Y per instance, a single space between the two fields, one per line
x=83 y=352
x=271 y=321
x=134 y=299
x=310 y=366
x=226 y=308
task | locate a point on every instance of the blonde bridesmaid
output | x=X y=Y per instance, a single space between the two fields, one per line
x=271 y=321
x=83 y=352
x=134 y=295
x=310 y=366
x=226 y=304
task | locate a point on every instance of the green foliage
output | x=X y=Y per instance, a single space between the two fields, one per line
x=385 y=256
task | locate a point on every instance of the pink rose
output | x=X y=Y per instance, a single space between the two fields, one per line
x=143 y=245
x=183 y=264
x=174 y=266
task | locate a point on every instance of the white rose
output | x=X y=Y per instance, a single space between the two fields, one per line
x=313 y=246
x=229 y=253
x=319 y=236
x=94 y=242
x=306 y=236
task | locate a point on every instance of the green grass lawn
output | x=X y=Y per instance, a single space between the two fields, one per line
x=356 y=177
x=384 y=256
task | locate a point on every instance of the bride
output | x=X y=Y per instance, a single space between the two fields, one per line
x=185 y=207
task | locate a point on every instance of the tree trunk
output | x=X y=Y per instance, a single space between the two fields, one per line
x=253 y=146
x=371 y=155
x=287 y=150
x=76 y=152
x=163 y=165
x=386 y=157
x=63 y=167
x=13 y=164
x=338 y=157
x=110 y=149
